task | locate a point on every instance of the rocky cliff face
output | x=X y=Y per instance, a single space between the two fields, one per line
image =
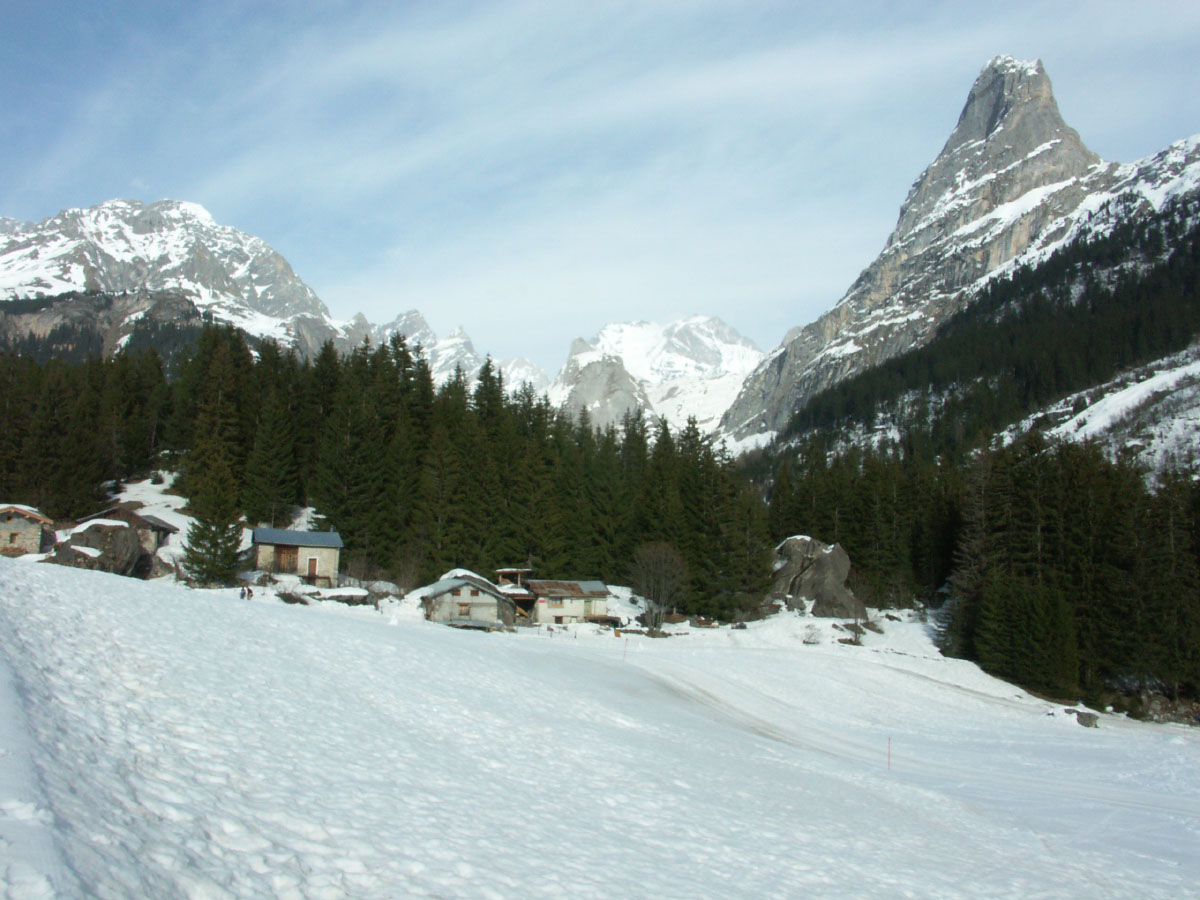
x=112 y=318
x=1012 y=183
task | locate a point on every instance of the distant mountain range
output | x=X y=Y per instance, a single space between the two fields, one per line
x=1012 y=184
x=122 y=266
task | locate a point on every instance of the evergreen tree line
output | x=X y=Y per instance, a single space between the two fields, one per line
x=1095 y=307
x=416 y=478
x=79 y=336
x=1059 y=569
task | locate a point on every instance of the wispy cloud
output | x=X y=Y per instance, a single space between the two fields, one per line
x=535 y=169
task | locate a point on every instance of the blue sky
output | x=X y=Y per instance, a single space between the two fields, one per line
x=533 y=170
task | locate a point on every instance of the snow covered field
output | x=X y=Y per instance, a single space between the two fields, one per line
x=163 y=742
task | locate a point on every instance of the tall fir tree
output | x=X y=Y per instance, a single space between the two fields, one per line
x=215 y=536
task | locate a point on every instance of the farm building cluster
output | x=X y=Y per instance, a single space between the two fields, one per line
x=467 y=600
x=461 y=598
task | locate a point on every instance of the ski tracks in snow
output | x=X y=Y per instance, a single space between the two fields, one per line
x=323 y=757
x=1044 y=806
x=31 y=867
x=167 y=773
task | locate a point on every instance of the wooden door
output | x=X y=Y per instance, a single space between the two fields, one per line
x=286 y=558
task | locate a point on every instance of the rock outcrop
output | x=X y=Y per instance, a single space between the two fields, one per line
x=105 y=546
x=599 y=385
x=99 y=321
x=809 y=570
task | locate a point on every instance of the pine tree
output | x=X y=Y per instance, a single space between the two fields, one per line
x=270 y=485
x=781 y=515
x=441 y=510
x=211 y=557
x=215 y=536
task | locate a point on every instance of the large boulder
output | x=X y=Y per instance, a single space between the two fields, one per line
x=106 y=546
x=808 y=570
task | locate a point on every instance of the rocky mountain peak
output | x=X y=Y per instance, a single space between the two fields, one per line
x=169 y=245
x=1010 y=139
x=1012 y=182
x=1006 y=89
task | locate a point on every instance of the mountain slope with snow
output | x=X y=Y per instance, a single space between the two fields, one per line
x=172 y=261
x=127 y=246
x=689 y=367
x=1150 y=414
x=1012 y=184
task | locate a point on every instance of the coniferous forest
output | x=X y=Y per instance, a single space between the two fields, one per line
x=417 y=479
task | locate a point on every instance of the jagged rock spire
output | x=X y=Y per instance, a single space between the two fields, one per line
x=1010 y=138
x=1012 y=180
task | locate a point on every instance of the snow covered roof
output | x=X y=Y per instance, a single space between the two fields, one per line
x=283 y=537
x=27 y=511
x=515 y=590
x=132 y=517
x=446 y=585
x=158 y=523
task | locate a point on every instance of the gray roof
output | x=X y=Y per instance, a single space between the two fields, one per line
x=283 y=537
x=160 y=524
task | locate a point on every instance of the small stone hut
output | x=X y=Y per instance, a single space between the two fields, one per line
x=21 y=529
x=466 y=600
x=313 y=555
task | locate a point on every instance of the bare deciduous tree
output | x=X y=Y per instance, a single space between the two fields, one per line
x=658 y=573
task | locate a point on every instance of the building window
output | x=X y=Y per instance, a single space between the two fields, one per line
x=556 y=601
x=474 y=593
x=464 y=610
x=456 y=592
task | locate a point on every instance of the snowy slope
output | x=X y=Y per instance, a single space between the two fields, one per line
x=172 y=743
x=1151 y=414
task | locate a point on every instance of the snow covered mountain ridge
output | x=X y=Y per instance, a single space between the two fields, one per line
x=126 y=246
x=143 y=253
x=692 y=367
x=1012 y=184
